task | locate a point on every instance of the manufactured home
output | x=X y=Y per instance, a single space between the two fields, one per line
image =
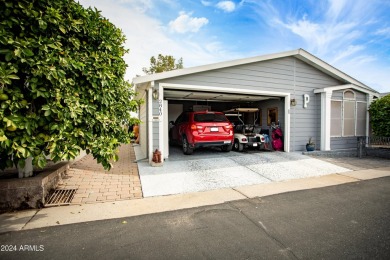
x=305 y=96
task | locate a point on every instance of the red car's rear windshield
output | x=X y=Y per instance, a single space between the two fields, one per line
x=210 y=117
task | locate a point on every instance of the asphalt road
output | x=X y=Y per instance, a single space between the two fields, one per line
x=350 y=221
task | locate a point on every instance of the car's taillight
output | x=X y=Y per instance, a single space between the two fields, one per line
x=197 y=127
x=228 y=127
x=243 y=139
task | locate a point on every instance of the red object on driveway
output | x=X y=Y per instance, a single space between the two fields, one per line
x=277 y=142
x=202 y=129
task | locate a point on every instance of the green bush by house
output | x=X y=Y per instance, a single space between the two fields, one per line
x=380 y=116
x=62 y=86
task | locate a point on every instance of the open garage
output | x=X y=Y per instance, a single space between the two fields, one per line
x=269 y=109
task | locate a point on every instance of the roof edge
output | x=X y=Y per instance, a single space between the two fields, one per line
x=301 y=54
x=329 y=69
x=213 y=66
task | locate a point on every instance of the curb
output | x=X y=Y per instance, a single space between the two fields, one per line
x=54 y=216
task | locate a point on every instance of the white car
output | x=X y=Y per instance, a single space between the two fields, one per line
x=245 y=135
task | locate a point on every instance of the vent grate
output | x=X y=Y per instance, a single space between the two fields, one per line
x=61 y=197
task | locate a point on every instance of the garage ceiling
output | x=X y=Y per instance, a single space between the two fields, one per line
x=211 y=96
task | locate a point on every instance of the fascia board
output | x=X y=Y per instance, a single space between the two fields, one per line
x=346 y=86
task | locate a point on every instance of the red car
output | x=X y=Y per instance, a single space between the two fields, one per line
x=202 y=129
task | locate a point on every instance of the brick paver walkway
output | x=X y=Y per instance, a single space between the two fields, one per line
x=94 y=184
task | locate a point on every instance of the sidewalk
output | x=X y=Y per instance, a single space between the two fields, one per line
x=54 y=216
x=94 y=184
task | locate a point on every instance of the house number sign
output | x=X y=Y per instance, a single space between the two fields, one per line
x=160 y=107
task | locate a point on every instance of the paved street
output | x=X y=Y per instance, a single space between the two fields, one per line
x=349 y=221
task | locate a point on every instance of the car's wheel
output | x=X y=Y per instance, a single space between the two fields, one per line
x=237 y=146
x=226 y=148
x=186 y=146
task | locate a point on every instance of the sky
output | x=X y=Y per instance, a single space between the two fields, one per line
x=351 y=35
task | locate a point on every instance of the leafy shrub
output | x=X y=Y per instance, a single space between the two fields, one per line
x=380 y=116
x=62 y=86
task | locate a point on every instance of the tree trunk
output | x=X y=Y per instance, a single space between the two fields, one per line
x=27 y=170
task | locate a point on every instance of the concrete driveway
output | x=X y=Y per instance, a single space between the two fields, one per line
x=208 y=169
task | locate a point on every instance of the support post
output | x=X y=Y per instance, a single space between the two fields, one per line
x=325 y=119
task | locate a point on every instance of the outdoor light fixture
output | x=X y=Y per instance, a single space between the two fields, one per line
x=155 y=94
x=293 y=102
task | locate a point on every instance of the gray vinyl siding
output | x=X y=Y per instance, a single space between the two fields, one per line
x=155 y=124
x=155 y=106
x=275 y=75
x=285 y=75
x=156 y=136
x=338 y=143
x=307 y=121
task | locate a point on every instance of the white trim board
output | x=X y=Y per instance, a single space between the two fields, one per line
x=150 y=123
x=223 y=90
x=346 y=86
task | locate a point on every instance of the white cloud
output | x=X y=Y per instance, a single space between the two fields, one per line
x=139 y=5
x=185 y=23
x=340 y=36
x=206 y=3
x=226 y=6
x=366 y=70
x=324 y=38
x=383 y=32
x=348 y=52
x=329 y=39
x=335 y=8
x=147 y=37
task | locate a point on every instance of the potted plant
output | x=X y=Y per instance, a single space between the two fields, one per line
x=310 y=146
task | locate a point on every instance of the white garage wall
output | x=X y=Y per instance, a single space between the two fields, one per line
x=174 y=110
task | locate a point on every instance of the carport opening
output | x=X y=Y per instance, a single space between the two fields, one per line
x=271 y=108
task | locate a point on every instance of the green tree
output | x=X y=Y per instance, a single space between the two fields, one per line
x=163 y=63
x=380 y=116
x=62 y=86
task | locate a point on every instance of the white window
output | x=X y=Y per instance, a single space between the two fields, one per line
x=349 y=94
x=348 y=116
x=336 y=118
x=361 y=118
